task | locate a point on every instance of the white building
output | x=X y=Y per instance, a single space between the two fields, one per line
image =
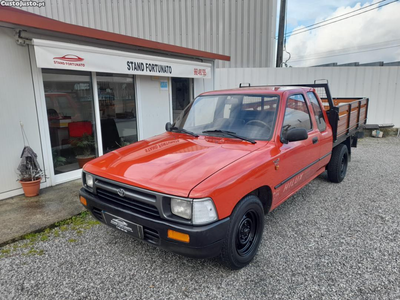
x=60 y=81
x=108 y=70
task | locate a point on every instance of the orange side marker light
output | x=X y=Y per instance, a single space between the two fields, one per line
x=182 y=237
x=83 y=200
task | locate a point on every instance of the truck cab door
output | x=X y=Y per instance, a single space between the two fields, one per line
x=298 y=161
x=320 y=122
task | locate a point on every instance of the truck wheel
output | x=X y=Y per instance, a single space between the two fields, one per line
x=337 y=167
x=244 y=233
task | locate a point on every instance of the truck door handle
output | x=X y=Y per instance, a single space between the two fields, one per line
x=315 y=140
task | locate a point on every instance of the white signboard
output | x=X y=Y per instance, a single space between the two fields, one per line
x=56 y=55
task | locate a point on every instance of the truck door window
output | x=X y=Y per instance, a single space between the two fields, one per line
x=296 y=114
x=319 y=116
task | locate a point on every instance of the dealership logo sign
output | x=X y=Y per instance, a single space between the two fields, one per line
x=69 y=60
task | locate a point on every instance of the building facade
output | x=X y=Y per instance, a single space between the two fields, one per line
x=243 y=29
x=73 y=93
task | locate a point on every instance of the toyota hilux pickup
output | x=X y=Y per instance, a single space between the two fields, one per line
x=201 y=188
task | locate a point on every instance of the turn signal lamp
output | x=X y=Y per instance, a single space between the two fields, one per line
x=175 y=235
x=83 y=200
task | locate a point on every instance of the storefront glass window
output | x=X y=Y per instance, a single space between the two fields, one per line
x=117 y=110
x=70 y=112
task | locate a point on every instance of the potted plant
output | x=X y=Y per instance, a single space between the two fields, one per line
x=30 y=173
x=84 y=146
x=58 y=160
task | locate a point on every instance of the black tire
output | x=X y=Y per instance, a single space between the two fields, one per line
x=244 y=233
x=337 y=167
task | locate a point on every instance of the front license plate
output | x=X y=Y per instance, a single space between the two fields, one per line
x=124 y=225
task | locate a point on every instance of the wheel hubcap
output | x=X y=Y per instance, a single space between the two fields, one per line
x=343 y=166
x=246 y=234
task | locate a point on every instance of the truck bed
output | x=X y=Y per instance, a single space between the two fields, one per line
x=347 y=116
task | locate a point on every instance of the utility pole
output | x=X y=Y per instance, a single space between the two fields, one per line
x=281 y=33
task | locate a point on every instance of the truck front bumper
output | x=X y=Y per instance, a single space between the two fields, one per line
x=205 y=241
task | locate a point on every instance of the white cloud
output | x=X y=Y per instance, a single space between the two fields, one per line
x=310 y=11
x=353 y=36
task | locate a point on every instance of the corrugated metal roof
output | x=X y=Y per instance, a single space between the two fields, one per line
x=23 y=18
x=242 y=29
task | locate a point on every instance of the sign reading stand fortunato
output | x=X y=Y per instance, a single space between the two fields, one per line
x=57 y=55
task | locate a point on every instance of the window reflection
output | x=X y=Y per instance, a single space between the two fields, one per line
x=181 y=95
x=117 y=105
x=70 y=113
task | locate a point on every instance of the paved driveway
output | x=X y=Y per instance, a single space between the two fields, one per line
x=329 y=241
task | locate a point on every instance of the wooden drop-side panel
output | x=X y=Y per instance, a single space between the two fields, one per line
x=352 y=113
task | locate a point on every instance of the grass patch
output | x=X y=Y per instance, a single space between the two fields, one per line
x=32 y=237
x=5 y=251
x=75 y=220
x=34 y=251
x=78 y=223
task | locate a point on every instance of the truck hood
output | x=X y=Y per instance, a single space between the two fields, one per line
x=170 y=163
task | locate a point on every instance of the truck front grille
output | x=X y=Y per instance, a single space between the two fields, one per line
x=135 y=206
x=134 y=201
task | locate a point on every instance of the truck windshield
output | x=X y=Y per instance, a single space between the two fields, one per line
x=248 y=116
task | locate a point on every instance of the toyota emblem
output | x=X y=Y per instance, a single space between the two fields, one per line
x=121 y=192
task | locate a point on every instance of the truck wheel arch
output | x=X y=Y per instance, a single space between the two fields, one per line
x=264 y=193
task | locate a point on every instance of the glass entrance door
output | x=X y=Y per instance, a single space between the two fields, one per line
x=70 y=113
x=182 y=94
x=117 y=106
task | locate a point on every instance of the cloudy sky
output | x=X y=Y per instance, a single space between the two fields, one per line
x=368 y=37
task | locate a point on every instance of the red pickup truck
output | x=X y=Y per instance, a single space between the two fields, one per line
x=202 y=188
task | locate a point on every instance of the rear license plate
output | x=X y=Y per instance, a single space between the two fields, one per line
x=124 y=225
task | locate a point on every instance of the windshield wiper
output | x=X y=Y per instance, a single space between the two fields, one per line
x=176 y=129
x=230 y=133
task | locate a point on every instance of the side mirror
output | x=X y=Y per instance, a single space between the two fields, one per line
x=168 y=126
x=296 y=134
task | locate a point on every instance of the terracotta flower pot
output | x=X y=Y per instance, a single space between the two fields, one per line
x=31 y=188
x=82 y=160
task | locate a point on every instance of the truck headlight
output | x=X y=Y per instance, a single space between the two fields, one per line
x=200 y=211
x=181 y=208
x=204 y=211
x=89 y=180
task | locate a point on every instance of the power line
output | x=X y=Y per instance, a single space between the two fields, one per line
x=355 y=52
x=333 y=52
x=345 y=18
x=312 y=25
